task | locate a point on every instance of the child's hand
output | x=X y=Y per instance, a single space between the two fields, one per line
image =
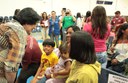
x=112 y=49
x=40 y=77
x=48 y=76
x=55 y=74
x=41 y=73
x=52 y=69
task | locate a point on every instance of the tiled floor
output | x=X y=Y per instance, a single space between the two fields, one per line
x=38 y=37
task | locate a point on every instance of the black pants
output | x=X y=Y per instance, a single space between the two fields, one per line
x=25 y=74
x=61 y=34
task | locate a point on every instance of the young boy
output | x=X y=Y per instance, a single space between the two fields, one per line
x=48 y=59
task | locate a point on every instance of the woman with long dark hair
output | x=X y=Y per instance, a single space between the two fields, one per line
x=44 y=25
x=100 y=30
x=120 y=45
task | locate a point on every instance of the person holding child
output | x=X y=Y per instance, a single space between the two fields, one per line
x=59 y=72
x=48 y=59
x=120 y=47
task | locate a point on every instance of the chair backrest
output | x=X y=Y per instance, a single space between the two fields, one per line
x=6 y=19
x=103 y=77
x=10 y=18
x=1 y=19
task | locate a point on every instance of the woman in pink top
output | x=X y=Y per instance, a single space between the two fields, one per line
x=100 y=30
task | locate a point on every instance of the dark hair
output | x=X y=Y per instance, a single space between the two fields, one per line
x=120 y=33
x=6 y=19
x=88 y=13
x=82 y=47
x=49 y=42
x=63 y=47
x=16 y=12
x=1 y=19
x=67 y=12
x=75 y=28
x=43 y=16
x=27 y=16
x=117 y=12
x=53 y=11
x=78 y=15
x=99 y=22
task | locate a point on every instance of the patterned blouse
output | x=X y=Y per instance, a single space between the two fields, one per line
x=12 y=45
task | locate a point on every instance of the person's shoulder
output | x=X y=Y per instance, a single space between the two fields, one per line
x=4 y=27
x=53 y=54
x=57 y=51
x=109 y=25
x=31 y=39
x=114 y=17
x=88 y=26
x=67 y=60
x=43 y=54
x=50 y=19
x=57 y=18
x=122 y=18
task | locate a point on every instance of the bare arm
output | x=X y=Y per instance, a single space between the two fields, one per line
x=61 y=21
x=74 y=19
x=39 y=70
x=41 y=24
x=60 y=24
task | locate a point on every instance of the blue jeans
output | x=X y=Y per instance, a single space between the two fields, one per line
x=52 y=36
x=102 y=58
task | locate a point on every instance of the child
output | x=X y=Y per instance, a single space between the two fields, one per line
x=48 y=59
x=84 y=68
x=59 y=72
x=112 y=32
x=111 y=38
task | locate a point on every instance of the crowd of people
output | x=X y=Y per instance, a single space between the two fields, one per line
x=83 y=51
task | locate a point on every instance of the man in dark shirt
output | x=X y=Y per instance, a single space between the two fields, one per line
x=31 y=60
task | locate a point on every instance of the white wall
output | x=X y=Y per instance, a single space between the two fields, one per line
x=7 y=7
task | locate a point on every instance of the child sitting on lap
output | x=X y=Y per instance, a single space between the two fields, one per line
x=59 y=72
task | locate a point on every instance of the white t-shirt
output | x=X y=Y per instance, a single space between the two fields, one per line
x=79 y=22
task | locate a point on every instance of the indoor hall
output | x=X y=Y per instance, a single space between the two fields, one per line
x=56 y=11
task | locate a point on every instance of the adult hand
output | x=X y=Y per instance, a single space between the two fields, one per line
x=112 y=49
x=114 y=61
